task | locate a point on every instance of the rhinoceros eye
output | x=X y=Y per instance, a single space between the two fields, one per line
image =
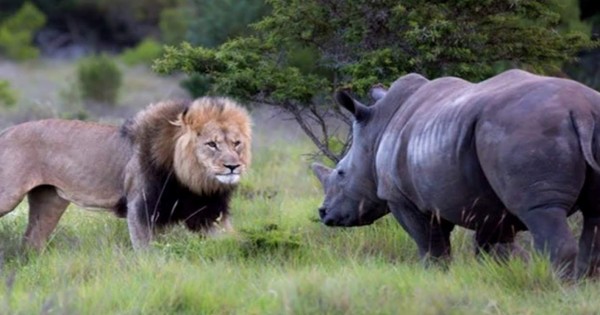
x=341 y=173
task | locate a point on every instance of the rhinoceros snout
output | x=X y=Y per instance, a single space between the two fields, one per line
x=329 y=221
x=322 y=212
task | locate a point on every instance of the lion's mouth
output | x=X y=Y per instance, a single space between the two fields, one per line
x=228 y=179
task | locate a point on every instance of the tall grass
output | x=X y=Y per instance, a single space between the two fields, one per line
x=279 y=261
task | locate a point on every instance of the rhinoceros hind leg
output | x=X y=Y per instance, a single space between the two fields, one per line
x=500 y=250
x=498 y=241
x=551 y=235
x=588 y=262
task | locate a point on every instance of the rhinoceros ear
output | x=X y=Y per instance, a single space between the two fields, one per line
x=321 y=171
x=360 y=111
x=377 y=92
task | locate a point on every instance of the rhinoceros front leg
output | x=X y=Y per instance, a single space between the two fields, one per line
x=430 y=232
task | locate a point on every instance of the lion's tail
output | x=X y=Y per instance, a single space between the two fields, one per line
x=585 y=128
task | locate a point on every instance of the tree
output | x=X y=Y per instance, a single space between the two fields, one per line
x=355 y=44
x=211 y=22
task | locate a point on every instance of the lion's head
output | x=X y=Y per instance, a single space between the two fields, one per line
x=213 y=150
x=206 y=144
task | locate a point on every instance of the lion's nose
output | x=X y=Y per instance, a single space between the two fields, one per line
x=231 y=167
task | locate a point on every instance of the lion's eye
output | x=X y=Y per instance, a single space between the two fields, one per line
x=237 y=143
x=211 y=144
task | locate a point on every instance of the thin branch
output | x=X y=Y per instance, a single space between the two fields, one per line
x=297 y=113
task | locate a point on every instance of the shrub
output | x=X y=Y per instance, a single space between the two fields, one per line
x=7 y=96
x=269 y=239
x=16 y=33
x=144 y=53
x=99 y=79
x=196 y=84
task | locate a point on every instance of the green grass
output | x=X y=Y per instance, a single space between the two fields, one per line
x=280 y=261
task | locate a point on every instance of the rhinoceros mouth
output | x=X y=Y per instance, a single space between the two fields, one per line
x=345 y=221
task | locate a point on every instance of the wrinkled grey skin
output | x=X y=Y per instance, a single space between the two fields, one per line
x=515 y=152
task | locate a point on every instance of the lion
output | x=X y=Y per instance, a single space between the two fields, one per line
x=173 y=162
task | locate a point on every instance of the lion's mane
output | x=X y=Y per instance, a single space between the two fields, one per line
x=175 y=186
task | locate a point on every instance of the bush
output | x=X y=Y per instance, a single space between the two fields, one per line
x=7 y=96
x=144 y=53
x=269 y=239
x=196 y=84
x=99 y=79
x=16 y=33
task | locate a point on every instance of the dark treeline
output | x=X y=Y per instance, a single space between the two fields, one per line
x=74 y=28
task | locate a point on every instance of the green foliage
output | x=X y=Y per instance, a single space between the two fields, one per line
x=212 y=22
x=570 y=13
x=196 y=84
x=7 y=96
x=16 y=33
x=244 y=68
x=359 y=43
x=99 y=79
x=144 y=53
x=208 y=23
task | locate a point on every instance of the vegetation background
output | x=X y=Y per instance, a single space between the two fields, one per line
x=90 y=59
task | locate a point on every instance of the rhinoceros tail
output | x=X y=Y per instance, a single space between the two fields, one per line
x=585 y=127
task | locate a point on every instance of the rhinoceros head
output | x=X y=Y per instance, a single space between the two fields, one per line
x=350 y=189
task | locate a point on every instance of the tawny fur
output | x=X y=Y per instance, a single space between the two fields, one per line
x=55 y=162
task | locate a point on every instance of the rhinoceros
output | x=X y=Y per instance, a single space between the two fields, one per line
x=515 y=152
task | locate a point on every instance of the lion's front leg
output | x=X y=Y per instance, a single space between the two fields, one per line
x=138 y=223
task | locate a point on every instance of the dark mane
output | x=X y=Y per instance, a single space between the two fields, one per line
x=167 y=201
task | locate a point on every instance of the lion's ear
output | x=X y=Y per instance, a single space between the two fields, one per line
x=181 y=118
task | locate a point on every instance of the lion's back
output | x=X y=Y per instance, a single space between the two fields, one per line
x=83 y=160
